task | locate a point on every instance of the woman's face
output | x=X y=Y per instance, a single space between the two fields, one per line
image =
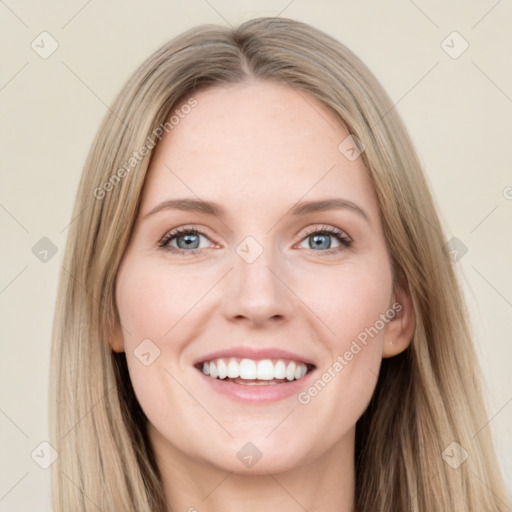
x=259 y=277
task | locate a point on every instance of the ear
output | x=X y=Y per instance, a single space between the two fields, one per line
x=116 y=338
x=400 y=329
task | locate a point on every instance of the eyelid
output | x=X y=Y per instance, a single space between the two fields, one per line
x=328 y=229
x=174 y=233
x=344 y=239
x=342 y=236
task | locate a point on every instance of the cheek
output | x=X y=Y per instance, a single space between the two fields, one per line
x=352 y=303
x=346 y=300
x=153 y=301
x=160 y=308
x=153 y=298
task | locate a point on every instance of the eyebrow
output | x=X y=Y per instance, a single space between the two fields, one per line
x=215 y=209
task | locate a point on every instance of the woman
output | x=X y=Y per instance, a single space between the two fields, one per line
x=257 y=307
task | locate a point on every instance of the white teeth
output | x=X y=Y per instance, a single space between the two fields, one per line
x=290 y=371
x=233 y=370
x=300 y=372
x=222 y=369
x=248 y=369
x=213 y=370
x=280 y=370
x=265 y=370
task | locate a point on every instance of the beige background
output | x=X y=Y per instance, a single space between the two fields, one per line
x=458 y=110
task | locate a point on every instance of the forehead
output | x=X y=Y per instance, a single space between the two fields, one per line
x=254 y=146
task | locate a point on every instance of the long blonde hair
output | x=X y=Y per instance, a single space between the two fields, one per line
x=426 y=398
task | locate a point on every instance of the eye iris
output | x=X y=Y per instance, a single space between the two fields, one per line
x=317 y=244
x=188 y=242
x=191 y=239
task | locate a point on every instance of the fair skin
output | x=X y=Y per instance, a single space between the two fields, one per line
x=257 y=148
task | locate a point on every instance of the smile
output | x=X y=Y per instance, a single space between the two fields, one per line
x=254 y=372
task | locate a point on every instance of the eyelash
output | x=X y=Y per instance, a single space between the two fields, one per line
x=344 y=239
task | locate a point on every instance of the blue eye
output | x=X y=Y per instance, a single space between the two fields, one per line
x=319 y=239
x=188 y=240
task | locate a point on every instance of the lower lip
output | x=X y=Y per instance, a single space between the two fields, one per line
x=259 y=392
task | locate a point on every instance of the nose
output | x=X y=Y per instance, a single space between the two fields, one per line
x=257 y=292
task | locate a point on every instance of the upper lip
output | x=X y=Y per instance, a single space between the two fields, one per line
x=254 y=353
